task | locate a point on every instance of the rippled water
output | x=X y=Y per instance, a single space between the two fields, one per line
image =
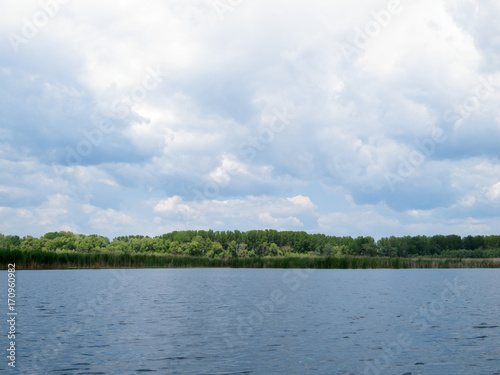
x=258 y=321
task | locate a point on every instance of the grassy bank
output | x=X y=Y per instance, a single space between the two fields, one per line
x=63 y=260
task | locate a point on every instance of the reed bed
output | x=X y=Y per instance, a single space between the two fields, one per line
x=63 y=260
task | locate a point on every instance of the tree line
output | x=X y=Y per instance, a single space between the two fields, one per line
x=259 y=243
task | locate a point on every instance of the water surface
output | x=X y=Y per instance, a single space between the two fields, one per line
x=258 y=321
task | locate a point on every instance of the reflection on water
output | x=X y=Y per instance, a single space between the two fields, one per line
x=246 y=321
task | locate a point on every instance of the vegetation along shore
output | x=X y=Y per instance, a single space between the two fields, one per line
x=252 y=249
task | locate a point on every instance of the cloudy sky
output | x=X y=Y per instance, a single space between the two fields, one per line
x=128 y=117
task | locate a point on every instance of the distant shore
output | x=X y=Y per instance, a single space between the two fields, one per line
x=40 y=260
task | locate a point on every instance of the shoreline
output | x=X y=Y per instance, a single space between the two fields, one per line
x=65 y=260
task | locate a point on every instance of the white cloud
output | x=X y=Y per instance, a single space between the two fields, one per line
x=303 y=202
x=251 y=212
x=109 y=218
x=172 y=205
x=493 y=192
x=354 y=121
x=279 y=222
x=359 y=223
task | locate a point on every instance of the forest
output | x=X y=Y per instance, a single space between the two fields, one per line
x=259 y=243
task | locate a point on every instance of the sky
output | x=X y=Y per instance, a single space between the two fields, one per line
x=125 y=117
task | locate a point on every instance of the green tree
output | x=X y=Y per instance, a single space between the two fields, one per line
x=194 y=248
x=175 y=248
x=216 y=251
x=119 y=246
x=147 y=244
x=31 y=244
x=473 y=242
x=274 y=250
x=159 y=245
x=232 y=249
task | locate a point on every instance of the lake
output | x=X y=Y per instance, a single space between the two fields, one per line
x=257 y=321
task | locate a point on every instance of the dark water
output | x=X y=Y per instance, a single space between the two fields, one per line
x=246 y=321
